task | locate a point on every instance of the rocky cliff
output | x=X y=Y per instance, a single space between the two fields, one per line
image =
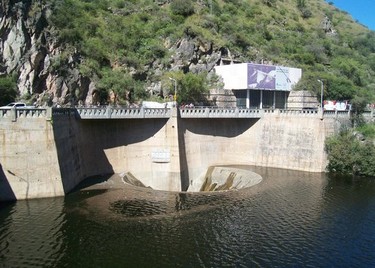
x=29 y=48
x=84 y=52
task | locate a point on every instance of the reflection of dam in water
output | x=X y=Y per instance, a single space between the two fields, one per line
x=43 y=157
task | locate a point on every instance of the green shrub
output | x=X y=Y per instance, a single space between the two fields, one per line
x=306 y=13
x=301 y=4
x=182 y=7
x=269 y=3
x=368 y=130
x=8 y=89
x=348 y=154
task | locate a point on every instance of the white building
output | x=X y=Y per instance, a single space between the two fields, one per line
x=257 y=85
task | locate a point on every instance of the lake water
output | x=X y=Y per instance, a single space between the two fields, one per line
x=290 y=219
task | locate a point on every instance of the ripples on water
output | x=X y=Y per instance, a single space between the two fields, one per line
x=291 y=219
x=30 y=233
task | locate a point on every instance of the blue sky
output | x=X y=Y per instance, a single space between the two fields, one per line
x=361 y=10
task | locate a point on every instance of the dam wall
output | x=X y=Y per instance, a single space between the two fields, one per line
x=28 y=159
x=68 y=139
x=279 y=140
x=147 y=148
x=43 y=156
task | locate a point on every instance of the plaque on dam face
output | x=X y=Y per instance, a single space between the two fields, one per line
x=161 y=156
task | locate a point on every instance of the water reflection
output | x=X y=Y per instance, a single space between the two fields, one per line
x=290 y=219
x=134 y=203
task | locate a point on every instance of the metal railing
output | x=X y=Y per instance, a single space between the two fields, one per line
x=109 y=112
x=218 y=112
x=15 y=113
x=336 y=113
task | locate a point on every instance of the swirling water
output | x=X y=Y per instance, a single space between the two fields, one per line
x=290 y=219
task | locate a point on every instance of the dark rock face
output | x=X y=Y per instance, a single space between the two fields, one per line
x=28 y=48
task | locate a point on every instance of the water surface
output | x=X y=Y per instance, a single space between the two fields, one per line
x=290 y=219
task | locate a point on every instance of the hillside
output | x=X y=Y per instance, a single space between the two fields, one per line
x=119 y=51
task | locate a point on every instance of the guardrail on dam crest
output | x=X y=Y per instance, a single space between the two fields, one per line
x=108 y=112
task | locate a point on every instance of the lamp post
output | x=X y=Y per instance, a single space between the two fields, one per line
x=175 y=88
x=321 y=99
x=321 y=94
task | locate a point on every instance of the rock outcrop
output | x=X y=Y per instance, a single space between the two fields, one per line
x=49 y=72
x=29 y=48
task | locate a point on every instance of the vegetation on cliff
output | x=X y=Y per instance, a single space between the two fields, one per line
x=135 y=38
x=352 y=151
x=78 y=49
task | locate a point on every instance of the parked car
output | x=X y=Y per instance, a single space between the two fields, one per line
x=16 y=105
x=329 y=105
x=333 y=105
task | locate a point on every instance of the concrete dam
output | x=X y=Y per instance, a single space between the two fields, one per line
x=48 y=152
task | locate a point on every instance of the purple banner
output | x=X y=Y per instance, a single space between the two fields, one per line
x=261 y=76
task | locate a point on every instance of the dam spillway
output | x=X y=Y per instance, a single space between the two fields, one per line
x=47 y=154
x=216 y=179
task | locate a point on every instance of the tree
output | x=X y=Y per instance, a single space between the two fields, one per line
x=8 y=89
x=339 y=149
x=347 y=154
x=360 y=101
x=121 y=84
x=191 y=88
x=350 y=68
x=340 y=88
